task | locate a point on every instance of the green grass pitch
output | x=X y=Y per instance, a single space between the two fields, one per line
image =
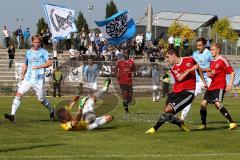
x=33 y=136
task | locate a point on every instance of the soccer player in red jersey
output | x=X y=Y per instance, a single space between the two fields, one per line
x=183 y=71
x=125 y=69
x=219 y=68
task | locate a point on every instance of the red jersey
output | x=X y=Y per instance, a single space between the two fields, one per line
x=220 y=68
x=124 y=69
x=189 y=82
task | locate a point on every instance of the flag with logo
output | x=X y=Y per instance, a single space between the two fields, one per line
x=117 y=28
x=60 y=20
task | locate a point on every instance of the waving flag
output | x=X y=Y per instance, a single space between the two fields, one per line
x=117 y=28
x=60 y=20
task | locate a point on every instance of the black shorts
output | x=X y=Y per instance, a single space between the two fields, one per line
x=179 y=101
x=214 y=95
x=126 y=88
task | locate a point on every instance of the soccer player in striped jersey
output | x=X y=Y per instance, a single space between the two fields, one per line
x=33 y=74
x=219 y=68
x=203 y=57
x=183 y=71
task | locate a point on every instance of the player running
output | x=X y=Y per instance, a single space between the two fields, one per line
x=125 y=69
x=183 y=71
x=219 y=68
x=33 y=74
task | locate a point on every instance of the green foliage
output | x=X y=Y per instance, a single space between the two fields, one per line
x=81 y=22
x=223 y=29
x=178 y=29
x=41 y=25
x=111 y=9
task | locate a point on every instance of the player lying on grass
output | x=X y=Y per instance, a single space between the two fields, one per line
x=183 y=71
x=85 y=118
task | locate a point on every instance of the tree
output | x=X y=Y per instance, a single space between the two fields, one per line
x=178 y=29
x=111 y=9
x=223 y=29
x=81 y=22
x=41 y=25
x=174 y=29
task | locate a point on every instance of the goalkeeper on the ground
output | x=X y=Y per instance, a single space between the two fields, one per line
x=85 y=118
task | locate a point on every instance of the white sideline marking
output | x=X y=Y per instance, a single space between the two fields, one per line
x=126 y=156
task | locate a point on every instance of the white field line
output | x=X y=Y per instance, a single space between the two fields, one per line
x=126 y=156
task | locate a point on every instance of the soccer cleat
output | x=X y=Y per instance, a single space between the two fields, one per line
x=9 y=117
x=52 y=115
x=232 y=126
x=202 y=126
x=151 y=131
x=184 y=127
x=107 y=83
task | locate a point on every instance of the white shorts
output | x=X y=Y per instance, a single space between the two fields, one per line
x=200 y=86
x=92 y=85
x=25 y=86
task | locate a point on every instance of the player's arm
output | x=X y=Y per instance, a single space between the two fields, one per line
x=24 y=70
x=184 y=74
x=76 y=118
x=229 y=86
x=45 y=65
x=200 y=72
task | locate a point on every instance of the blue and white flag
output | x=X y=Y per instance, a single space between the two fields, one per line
x=117 y=28
x=60 y=20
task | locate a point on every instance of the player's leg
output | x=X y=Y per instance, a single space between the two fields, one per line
x=41 y=98
x=99 y=94
x=218 y=98
x=23 y=88
x=100 y=121
x=175 y=103
x=185 y=112
x=154 y=93
x=54 y=89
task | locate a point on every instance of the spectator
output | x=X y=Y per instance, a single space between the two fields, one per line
x=46 y=38
x=11 y=54
x=73 y=56
x=19 y=36
x=185 y=46
x=171 y=41
x=68 y=42
x=6 y=37
x=26 y=35
x=57 y=77
x=177 y=43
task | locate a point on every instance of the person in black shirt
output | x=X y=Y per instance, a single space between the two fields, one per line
x=11 y=53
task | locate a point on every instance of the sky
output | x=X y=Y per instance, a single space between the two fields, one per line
x=32 y=10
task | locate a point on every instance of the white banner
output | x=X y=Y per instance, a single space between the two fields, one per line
x=60 y=20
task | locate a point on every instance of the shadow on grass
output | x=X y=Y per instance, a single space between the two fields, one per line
x=30 y=147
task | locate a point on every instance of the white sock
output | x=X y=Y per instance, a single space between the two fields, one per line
x=98 y=122
x=15 y=105
x=185 y=111
x=47 y=104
